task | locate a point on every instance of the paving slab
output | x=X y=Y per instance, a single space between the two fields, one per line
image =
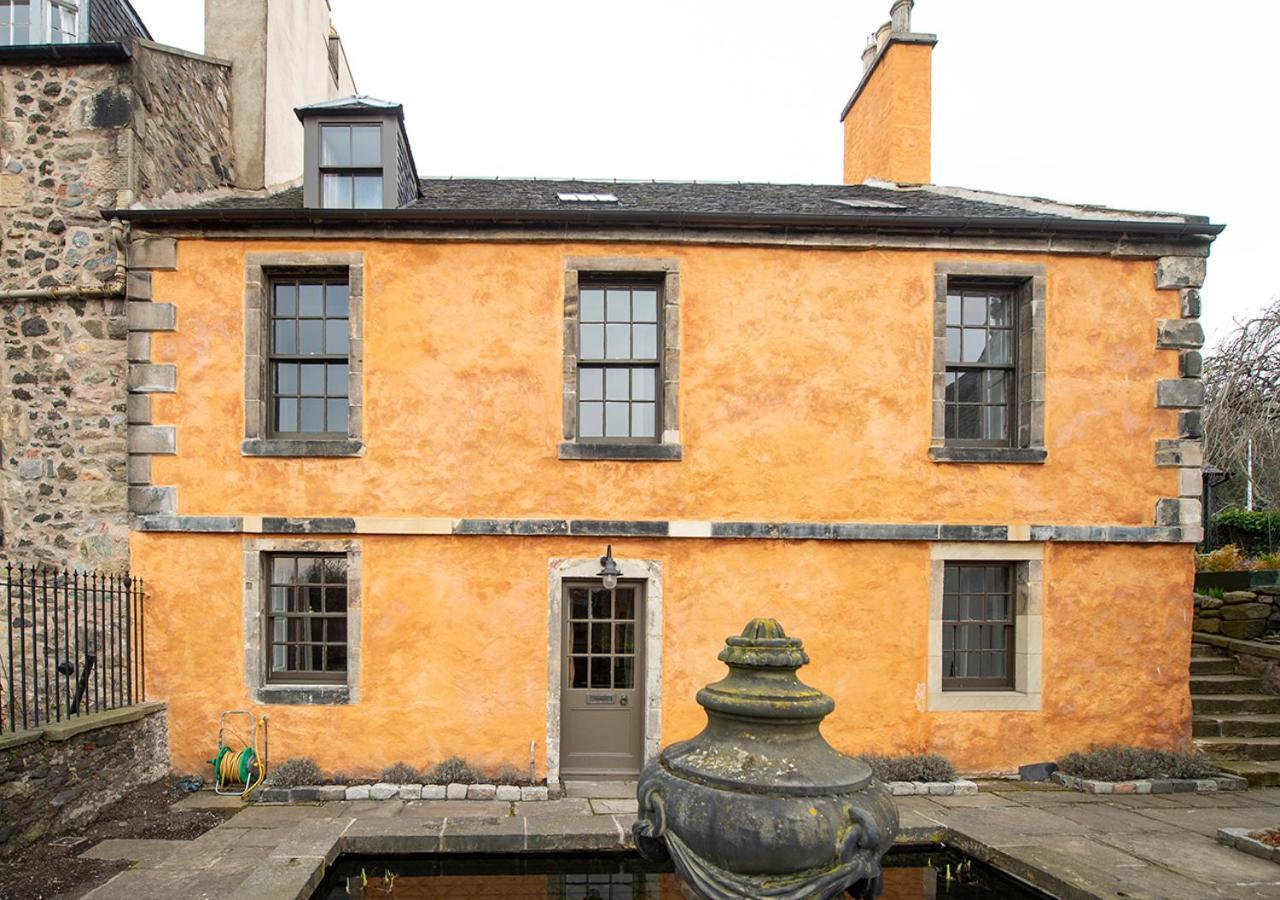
x=615 y=807
x=1208 y=821
x=1115 y=819
x=975 y=800
x=576 y=807
x=208 y=800
x=1008 y=826
x=604 y=790
x=392 y=836
x=276 y=816
x=1198 y=857
x=457 y=809
x=146 y=853
x=135 y=884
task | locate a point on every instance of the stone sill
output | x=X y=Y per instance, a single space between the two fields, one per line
x=959 y=788
x=303 y=694
x=66 y=730
x=643 y=452
x=385 y=790
x=1154 y=785
x=1019 y=455
x=1239 y=645
x=276 y=447
x=986 y=701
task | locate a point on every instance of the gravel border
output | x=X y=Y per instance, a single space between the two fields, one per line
x=1153 y=785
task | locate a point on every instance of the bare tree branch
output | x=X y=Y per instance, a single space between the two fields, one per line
x=1242 y=406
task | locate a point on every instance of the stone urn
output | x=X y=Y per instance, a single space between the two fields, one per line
x=759 y=804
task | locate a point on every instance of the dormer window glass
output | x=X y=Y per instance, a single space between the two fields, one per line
x=351 y=166
x=15 y=22
x=40 y=22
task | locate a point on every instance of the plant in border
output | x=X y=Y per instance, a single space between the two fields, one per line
x=1116 y=762
x=294 y=772
x=453 y=770
x=910 y=767
x=403 y=773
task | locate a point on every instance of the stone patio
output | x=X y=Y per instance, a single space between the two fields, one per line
x=1074 y=845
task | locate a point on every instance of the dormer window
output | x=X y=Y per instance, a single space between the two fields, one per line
x=351 y=166
x=356 y=155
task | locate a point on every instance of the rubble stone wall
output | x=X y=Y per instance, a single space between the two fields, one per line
x=77 y=138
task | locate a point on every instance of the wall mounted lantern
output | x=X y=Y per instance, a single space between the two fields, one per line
x=609 y=569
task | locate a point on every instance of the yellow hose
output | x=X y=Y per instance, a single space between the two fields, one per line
x=244 y=766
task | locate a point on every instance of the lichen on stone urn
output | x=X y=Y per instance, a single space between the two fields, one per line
x=759 y=804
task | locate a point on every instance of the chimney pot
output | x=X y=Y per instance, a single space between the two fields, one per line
x=901 y=16
x=882 y=35
x=869 y=55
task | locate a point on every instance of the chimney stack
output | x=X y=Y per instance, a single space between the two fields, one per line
x=888 y=120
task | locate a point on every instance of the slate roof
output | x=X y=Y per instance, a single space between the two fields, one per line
x=699 y=204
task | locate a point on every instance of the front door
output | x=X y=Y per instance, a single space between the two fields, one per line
x=601 y=690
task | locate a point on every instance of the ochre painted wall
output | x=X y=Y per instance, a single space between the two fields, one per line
x=805 y=392
x=888 y=132
x=455 y=631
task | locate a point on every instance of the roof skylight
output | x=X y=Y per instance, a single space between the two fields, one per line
x=587 y=198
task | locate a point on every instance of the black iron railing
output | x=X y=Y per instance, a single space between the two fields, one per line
x=74 y=643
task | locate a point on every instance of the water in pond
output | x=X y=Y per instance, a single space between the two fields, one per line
x=919 y=874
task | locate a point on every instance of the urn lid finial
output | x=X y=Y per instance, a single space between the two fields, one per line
x=764 y=645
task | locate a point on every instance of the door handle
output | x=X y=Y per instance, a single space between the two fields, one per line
x=623 y=700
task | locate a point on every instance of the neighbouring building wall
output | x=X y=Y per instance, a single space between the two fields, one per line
x=78 y=139
x=63 y=429
x=284 y=56
x=181 y=123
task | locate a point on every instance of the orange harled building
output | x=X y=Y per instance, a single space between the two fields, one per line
x=384 y=429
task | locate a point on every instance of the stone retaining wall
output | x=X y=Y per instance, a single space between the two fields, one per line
x=58 y=778
x=1244 y=615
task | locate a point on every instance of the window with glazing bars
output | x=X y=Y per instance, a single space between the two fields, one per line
x=15 y=23
x=63 y=22
x=978 y=602
x=351 y=166
x=981 y=364
x=306 y=617
x=619 y=362
x=309 y=364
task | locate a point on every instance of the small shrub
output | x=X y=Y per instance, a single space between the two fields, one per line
x=403 y=773
x=1269 y=560
x=1225 y=559
x=508 y=774
x=1118 y=763
x=911 y=767
x=453 y=770
x=295 y=772
x=1216 y=592
x=1255 y=530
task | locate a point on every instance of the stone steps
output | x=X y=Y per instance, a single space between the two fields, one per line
x=1234 y=704
x=1260 y=773
x=1258 y=748
x=1258 y=725
x=1212 y=665
x=1224 y=684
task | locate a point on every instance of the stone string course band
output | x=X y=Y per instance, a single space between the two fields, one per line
x=785 y=531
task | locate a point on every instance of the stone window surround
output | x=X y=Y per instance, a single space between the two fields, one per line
x=1028 y=628
x=650 y=572
x=1030 y=355
x=258 y=271
x=669 y=447
x=255 y=656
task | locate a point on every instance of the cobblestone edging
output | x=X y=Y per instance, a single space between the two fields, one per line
x=1240 y=839
x=385 y=790
x=959 y=787
x=1154 y=785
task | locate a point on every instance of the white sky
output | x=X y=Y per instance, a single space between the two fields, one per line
x=1142 y=104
